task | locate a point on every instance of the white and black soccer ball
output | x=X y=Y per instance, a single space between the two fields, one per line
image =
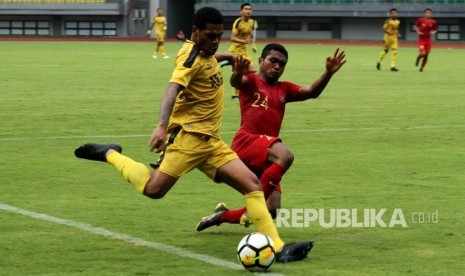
x=256 y=252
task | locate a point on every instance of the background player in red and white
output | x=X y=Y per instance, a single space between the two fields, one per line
x=425 y=27
x=263 y=99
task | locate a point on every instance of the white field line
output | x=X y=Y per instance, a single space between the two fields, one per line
x=232 y=132
x=165 y=248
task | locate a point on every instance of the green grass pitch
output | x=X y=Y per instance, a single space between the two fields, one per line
x=373 y=140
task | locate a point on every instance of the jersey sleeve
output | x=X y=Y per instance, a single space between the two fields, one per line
x=292 y=90
x=386 y=25
x=185 y=68
x=235 y=25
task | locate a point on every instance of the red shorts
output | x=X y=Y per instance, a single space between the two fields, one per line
x=252 y=149
x=424 y=46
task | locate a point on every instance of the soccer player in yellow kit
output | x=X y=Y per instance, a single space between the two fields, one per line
x=391 y=35
x=241 y=36
x=160 y=24
x=187 y=133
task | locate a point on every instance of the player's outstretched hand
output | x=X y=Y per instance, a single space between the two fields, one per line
x=335 y=62
x=241 y=65
x=157 y=141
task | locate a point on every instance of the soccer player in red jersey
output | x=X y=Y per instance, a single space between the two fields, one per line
x=425 y=27
x=263 y=99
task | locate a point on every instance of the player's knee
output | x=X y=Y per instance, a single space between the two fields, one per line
x=251 y=184
x=154 y=192
x=280 y=154
x=287 y=158
x=256 y=184
x=386 y=50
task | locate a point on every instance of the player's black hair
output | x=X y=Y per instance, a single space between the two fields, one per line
x=207 y=15
x=244 y=5
x=391 y=10
x=273 y=46
x=428 y=9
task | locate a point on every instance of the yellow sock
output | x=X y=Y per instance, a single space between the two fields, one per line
x=135 y=173
x=161 y=48
x=258 y=212
x=393 y=57
x=381 y=56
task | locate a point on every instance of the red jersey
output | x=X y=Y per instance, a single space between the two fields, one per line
x=425 y=26
x=263 y=105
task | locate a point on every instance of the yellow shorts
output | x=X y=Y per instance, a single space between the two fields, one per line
x=390 y=44
x=160 y=36
x=190 y=150
x=241 y=52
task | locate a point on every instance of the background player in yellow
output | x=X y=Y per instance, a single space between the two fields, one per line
x=242 y=36
x=391 y=35
x=159 y=22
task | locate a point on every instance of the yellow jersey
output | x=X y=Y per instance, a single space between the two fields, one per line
x=392 y=26
x=199 y=105
x=160 y=23
x=243 y=30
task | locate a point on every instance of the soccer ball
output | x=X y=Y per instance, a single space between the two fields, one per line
x=256 y=252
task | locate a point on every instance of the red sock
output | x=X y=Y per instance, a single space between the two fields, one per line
x=423 y=63
x=271 y=177
x=233 y=216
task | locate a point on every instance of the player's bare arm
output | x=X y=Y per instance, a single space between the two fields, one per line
x=240 y=69
x=333 y=64
x=149 y=30
x=157 y=141
x=225 y=56
x=236 y=39
x=387 y=30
